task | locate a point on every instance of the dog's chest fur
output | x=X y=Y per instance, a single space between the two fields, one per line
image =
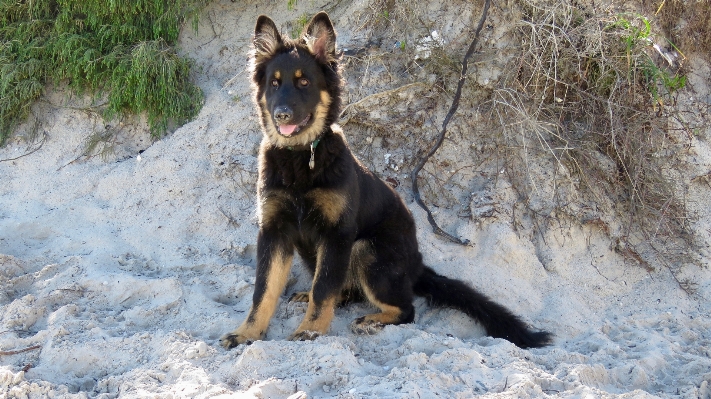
x=292 y=193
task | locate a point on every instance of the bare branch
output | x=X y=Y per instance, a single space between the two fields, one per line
x=455 y=104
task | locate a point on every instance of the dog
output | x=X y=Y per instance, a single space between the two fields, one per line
x=354 y=233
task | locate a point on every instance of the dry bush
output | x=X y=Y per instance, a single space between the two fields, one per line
x=593 y=94
x=679 y=17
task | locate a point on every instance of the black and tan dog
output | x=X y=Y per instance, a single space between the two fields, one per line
x=352 y=230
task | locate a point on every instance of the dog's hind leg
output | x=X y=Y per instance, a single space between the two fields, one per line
x=387 y=286
x=389 y=314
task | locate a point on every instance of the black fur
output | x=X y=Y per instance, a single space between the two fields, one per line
x=498 y=321
x=354 y=233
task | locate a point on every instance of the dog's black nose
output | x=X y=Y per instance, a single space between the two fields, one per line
x=283 y=114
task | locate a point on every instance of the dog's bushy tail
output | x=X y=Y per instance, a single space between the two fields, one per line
x=498 y=321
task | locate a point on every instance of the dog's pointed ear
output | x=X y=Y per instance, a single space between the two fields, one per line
x=267 y=38
x=320 y=37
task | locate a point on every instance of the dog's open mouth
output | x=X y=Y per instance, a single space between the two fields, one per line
x=288 y=130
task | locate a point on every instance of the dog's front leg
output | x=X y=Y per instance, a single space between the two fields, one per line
x=274 y=258
x=331 y=269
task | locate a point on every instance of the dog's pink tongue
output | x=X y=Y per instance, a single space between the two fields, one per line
x=287 y=130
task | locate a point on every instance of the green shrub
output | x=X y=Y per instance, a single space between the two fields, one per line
x=123 y=49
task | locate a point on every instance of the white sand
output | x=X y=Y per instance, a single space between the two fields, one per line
x=125 y=271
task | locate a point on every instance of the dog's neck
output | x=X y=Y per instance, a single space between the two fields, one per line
x=305 y=147
x=312 y=147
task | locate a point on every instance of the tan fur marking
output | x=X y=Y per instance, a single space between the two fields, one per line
x=298 y=73
x=320 y=256
x=269 y=205
x=331 y=203
x=276 y=281
x=303 y=297
x=300 y=297
x=361 y=255
x=277 y=74
x=317 y=319
x=388 y=314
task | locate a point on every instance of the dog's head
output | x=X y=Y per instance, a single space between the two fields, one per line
x=297 y=82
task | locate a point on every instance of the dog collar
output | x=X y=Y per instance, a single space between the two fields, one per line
x=312 y=147
x=314 y=143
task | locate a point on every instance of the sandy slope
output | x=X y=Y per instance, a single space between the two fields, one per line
x=126 y=270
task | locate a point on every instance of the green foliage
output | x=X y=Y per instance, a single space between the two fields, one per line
x=634 y=33
x=660 y=83
x=636 y=36
x=298 y=26
x=122 y=48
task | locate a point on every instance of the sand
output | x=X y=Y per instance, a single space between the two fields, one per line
x=120 y=273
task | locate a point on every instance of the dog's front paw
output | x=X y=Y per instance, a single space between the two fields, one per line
x=305 y=335
x=231 y=340
x=365 y=326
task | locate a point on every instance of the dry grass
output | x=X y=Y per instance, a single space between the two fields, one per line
x=593 y=95
x=679 y=17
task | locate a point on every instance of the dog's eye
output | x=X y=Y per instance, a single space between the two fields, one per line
x=303 y=82
x=275 y=83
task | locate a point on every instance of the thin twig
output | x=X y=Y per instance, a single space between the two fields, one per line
x=455 y=104
x=15 y=352
x=44 y=138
